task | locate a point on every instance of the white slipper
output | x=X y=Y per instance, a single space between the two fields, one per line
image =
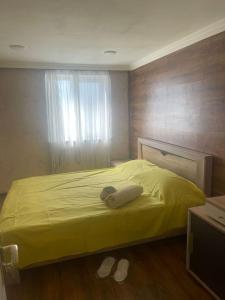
x=122 y=270
x=106 y=267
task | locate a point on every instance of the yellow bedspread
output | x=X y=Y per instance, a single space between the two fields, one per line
x=50 y=217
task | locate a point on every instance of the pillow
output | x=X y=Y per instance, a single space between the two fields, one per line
x=134 y=167
x=168 y=187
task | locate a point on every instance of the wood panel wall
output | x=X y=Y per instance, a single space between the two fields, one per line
x=180 y=99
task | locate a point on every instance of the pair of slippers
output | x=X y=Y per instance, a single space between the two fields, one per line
x=106 y=266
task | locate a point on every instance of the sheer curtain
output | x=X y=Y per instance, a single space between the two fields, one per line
x=79 y=119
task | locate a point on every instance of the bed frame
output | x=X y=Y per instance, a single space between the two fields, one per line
x=193 y=165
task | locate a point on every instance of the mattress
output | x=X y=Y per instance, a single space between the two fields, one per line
x=56 y=216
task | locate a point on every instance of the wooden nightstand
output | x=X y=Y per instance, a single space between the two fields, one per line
x=206 y=251
x=115 y=163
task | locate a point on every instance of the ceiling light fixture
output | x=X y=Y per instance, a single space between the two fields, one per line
x=110 y=52
x=16 y=47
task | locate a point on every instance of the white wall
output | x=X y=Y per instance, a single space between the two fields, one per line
x=23 y=129
x=120 y=116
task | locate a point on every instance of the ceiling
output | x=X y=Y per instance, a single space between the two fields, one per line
x=77 y=32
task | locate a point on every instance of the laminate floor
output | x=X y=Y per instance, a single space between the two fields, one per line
x=157 y=271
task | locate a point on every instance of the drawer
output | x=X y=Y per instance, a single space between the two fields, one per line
x=215 y=213
x=207 y=260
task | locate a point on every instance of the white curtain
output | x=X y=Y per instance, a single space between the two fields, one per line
x=79 y=119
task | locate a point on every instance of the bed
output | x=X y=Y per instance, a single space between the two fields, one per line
x=60 y=216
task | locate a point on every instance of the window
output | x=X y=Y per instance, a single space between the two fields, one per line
x=78 y=106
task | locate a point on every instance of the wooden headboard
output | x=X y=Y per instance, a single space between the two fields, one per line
x=193 y=165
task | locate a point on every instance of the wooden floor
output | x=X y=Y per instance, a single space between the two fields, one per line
x=157 y=271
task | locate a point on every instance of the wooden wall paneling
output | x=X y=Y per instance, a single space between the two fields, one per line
x=180 y=99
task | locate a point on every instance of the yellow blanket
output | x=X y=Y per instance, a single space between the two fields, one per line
x=50 y=217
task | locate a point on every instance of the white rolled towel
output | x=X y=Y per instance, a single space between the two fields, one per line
x=107 y=191
x=123 y=196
